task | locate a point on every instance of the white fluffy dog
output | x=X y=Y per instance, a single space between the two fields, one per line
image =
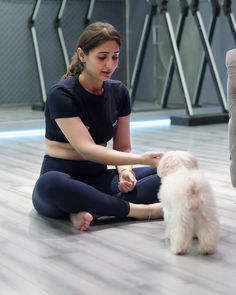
x=189 y=202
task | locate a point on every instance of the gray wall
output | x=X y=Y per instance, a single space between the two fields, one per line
x=19 y=76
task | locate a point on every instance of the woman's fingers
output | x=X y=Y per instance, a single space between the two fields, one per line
x=126 y=186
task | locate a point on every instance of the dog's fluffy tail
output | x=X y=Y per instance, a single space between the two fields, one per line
x=193 y=196
x=197 y=188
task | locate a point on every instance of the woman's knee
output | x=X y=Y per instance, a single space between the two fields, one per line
x=44 y=195
x=49 y=183
x=142 y=172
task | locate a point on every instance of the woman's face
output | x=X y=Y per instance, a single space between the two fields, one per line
x=102 y=61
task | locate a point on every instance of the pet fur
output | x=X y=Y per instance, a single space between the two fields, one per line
x=189 y=200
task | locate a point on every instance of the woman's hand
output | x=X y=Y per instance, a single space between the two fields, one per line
x=127 y=181
x=152 y=158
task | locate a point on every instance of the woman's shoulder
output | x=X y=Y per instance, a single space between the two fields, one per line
x=62 y=93
x=63 y=89
x=65 y=84
x=61 y=99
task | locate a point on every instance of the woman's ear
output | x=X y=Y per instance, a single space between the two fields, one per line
x=81 y=55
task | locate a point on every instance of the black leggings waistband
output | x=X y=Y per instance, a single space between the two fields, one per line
x=75 y=168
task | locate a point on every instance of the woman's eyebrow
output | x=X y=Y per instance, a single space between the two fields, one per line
x=108 y=52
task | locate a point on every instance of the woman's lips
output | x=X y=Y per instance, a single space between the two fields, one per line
x=106 y=74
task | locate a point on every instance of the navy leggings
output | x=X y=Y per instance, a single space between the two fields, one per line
x=68 y=186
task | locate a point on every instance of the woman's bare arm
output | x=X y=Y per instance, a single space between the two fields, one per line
x=80 y=139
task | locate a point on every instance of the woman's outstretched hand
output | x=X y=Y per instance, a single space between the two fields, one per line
x=127 y=181
x=152 y=158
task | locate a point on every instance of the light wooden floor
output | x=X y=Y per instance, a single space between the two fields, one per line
x=41 y=256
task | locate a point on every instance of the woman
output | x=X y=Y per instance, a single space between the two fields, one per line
x=83 y=111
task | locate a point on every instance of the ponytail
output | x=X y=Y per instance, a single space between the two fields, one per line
x=74 y=68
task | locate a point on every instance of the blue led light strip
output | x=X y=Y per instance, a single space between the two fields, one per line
x=151 y=123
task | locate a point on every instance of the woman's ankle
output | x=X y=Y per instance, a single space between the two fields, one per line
x=141 y=211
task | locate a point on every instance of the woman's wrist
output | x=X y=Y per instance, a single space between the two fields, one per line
x=125 y=169
x=122 y=170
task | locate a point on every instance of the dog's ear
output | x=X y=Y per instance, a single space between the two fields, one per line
x=168 y=163
x=194 y=163
x=173 y=160
x=189 y=160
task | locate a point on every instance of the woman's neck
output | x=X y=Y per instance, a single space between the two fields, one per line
x=91 y=86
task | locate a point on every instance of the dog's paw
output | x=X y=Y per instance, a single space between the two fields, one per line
x=179 y=250
x=207 y=244
x=207 y=249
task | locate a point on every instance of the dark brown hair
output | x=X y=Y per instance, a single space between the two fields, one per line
x=94 y=35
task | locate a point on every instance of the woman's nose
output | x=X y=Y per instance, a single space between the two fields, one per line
x=110 y=63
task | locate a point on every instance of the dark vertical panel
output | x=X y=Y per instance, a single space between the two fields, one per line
x=49 y=46
x=113 y=11
x=19 y=78
x=73 y=23
x=138 y=12
x=222 y=41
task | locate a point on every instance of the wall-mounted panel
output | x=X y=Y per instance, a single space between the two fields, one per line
x=19 y=79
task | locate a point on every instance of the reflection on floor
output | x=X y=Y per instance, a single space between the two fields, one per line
x=118 y=257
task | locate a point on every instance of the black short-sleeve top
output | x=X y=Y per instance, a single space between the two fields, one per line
x=99 y=113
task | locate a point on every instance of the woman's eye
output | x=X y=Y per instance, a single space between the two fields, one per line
x=101 y=57
x=115 y=57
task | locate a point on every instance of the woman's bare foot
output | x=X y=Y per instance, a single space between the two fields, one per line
x=152 y=211
x=81 y=220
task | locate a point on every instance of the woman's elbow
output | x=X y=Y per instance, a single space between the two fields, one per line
x=87 y=151
x=124 y=150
